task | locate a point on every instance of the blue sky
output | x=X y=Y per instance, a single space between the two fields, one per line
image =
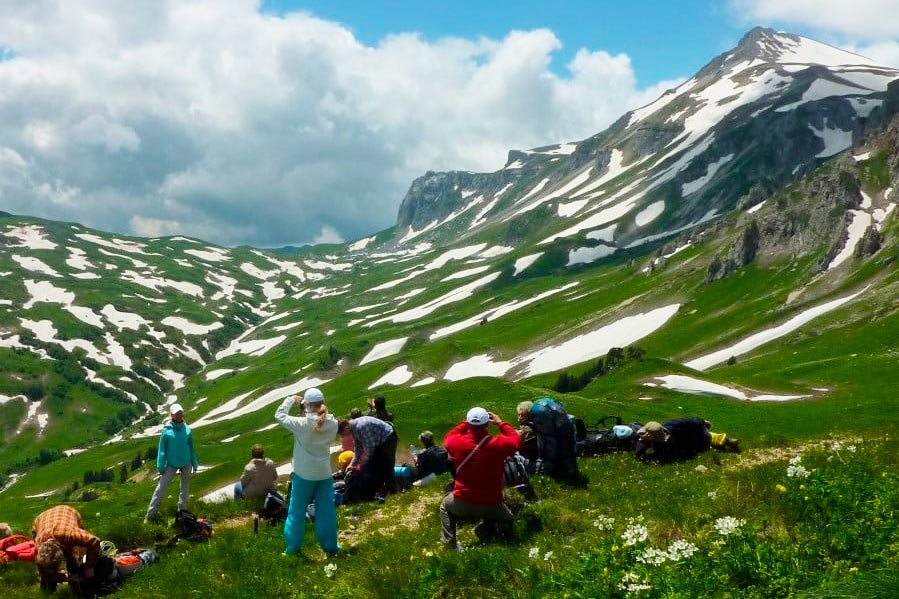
x=664 y=39
x=279 y=122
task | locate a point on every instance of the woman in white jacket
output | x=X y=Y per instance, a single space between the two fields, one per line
x=313 y=435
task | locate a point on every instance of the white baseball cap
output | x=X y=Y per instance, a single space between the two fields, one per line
x=175 y=408
x=477 y=416
x=313 y=395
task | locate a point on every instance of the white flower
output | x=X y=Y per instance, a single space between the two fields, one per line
x=632 y=583
x=728 y=525
x=713 y=495
x=851 y=448
x=797 y=471
x=652 y=556
x=635 y=533
x=547 y=556
x=681 y=549
x=330 y=569
x=429 y=554
x=795 y=459
x=836 y=446
x=533 y=553
x=604 y=522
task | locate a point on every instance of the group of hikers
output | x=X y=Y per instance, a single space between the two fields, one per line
x=481 y=461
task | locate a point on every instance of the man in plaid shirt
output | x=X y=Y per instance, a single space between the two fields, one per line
x=59 y=535
x=374 y=457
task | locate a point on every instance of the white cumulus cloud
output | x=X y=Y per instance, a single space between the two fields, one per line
x=210 y=119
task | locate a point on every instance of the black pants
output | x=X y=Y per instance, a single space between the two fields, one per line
x=375 y=474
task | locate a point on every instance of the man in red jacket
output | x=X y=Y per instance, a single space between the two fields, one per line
x=478 y=490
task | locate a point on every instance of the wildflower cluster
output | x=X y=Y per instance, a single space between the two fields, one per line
x=635 y=532
x=838 y=446
x=653 y=556
x=796 y=469
x=604 y=522
x=728 y=525
x=330 y=569
x=678 y=550
x=681 y=549
x=632 y=583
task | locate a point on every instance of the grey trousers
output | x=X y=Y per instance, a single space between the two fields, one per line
x=163 y=485
x=453 y=510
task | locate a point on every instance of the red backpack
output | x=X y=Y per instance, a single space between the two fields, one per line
x=17 y=547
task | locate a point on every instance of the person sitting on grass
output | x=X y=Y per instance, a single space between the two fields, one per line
x=679 y=439
x=432 y=459
x=259 y=475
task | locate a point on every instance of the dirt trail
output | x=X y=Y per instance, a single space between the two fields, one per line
x=387 y=521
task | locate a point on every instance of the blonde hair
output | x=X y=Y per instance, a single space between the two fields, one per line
x=322 y=412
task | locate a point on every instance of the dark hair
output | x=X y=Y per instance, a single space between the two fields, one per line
x=380 y=402
x=355 y=413
x=426 y=438
x=341 y=425
x=257 y=451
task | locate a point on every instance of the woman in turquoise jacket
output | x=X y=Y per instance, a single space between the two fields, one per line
x=176 y=454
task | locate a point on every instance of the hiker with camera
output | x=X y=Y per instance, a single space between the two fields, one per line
x=176 y=454
x=377 y=407
x=478 y=489
x=311 y=479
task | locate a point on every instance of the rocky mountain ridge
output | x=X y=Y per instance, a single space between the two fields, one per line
x=757 y=117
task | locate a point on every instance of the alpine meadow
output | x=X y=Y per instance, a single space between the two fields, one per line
x=728 y=250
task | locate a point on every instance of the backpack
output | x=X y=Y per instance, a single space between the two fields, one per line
x=191 y=527
x=274 y=507
x=129 y=562
x=601 y=438
x=9 y=542
x=106 y=580
x=556 y=443
x=515 y=472
x=24 y=551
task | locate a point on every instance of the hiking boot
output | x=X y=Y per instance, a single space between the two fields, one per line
x=732 y=445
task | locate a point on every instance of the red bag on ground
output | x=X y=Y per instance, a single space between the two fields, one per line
x=25 y=552
x=11 y=541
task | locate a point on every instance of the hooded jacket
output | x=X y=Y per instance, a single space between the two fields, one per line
x=176 y=447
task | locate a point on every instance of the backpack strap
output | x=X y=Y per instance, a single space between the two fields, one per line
x=468 y=457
